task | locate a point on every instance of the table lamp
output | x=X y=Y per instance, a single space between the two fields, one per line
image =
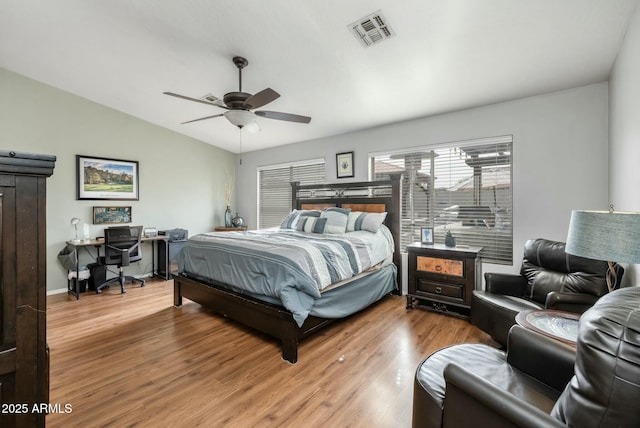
x=611 y=235
x=74 y=222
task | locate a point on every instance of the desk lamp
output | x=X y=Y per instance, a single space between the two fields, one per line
x=74 y=222
x=611 y=235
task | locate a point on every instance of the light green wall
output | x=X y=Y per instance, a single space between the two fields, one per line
x=181 y=179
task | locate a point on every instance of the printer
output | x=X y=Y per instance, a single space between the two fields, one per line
x=174 y=235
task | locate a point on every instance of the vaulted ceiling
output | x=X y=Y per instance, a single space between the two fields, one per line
x=443 y=55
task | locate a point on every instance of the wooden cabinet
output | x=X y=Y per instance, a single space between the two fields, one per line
x=443 y=278
x=230 y=229
x=24 y=356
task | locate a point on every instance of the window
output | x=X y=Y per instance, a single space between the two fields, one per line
x=274 y=188
x=464 y=188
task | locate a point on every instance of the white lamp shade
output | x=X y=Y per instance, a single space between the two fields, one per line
x=604 y=235
x=243 y=119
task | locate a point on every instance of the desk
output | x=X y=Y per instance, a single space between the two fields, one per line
x=99 y=242
x=559 y=325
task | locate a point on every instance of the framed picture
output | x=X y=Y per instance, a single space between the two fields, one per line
x=344 y=164
x=426 y=235
x=111 y=215
x=106 y=179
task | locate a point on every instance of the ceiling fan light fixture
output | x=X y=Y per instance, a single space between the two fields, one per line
x=243 y=119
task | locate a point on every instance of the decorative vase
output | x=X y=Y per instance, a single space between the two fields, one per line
x=449 y=240
x=227 y=217
x=237 y=221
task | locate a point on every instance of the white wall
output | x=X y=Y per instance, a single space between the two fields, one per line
x=181 y=179
x=624 y=132
x=560 y=156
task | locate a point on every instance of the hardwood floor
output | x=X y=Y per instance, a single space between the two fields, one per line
x=136 y=360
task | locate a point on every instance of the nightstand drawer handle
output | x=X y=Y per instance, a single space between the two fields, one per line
x=438 y=290
x=438 y=268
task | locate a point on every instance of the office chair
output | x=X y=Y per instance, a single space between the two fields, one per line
x=122 y=246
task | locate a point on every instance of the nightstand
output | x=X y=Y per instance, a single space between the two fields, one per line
x=443 y=278
x=230 y=229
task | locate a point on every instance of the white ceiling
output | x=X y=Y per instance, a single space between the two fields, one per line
x=446 y=55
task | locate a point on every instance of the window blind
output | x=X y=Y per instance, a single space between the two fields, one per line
x=463 y=187
x=274 y=188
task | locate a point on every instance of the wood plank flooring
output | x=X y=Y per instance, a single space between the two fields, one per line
x=135 y=360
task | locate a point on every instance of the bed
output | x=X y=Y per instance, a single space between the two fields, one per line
x=234 y=288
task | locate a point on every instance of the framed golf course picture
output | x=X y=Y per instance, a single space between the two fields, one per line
x=107 y=179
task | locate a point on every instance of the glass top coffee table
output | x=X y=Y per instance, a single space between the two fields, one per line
x=559 y=325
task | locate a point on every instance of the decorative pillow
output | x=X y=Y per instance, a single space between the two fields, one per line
x=311 y=224
x=291 y=221
x=365 y=221
x=337 y=219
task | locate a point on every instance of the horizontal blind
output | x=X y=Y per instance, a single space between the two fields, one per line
x=274 y=188
x=464 y=188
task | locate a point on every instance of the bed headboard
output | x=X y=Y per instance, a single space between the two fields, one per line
x=367 y=196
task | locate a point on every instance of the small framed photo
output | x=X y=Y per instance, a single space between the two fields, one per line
x=107 y=179
x=426 y=235
x=344 y=164
x=111 y=215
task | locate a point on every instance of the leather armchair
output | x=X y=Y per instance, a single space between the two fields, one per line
x=549 y=279
x=602 y=390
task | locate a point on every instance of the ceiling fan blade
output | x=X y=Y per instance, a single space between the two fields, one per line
x=184 y=97
x=283 y=116
x=203 y=118
x=262 y=98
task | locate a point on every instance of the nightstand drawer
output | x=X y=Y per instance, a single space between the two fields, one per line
x=441 y=266
x=440 y=289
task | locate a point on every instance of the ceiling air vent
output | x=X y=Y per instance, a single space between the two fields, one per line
x=209 y=97
x=372 y=29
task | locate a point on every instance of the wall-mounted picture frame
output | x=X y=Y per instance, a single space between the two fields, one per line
x=111 y=215
x=344 y=164
x=426 y=235
x=106 y=179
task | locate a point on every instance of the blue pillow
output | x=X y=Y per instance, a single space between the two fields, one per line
x=337 y=219
x=311 y=224
x=370 y=222
x=291 y=221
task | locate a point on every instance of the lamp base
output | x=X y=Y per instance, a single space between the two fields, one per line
x=612 y=277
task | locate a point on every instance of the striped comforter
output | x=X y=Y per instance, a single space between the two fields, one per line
x=291 y=266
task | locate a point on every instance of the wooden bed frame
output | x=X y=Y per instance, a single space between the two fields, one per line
x=274 y=320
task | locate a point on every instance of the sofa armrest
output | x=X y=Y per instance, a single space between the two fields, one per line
x=571 y=302
x=541 y=357
x=471 y=401
x=505 y=283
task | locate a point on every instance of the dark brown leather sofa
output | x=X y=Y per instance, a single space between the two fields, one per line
x=549 y=279
x=537 y=382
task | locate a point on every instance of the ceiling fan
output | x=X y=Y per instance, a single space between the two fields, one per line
x=241 y=106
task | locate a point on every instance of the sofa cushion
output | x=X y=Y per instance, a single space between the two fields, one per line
x=605 y=390
x=548 y=268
